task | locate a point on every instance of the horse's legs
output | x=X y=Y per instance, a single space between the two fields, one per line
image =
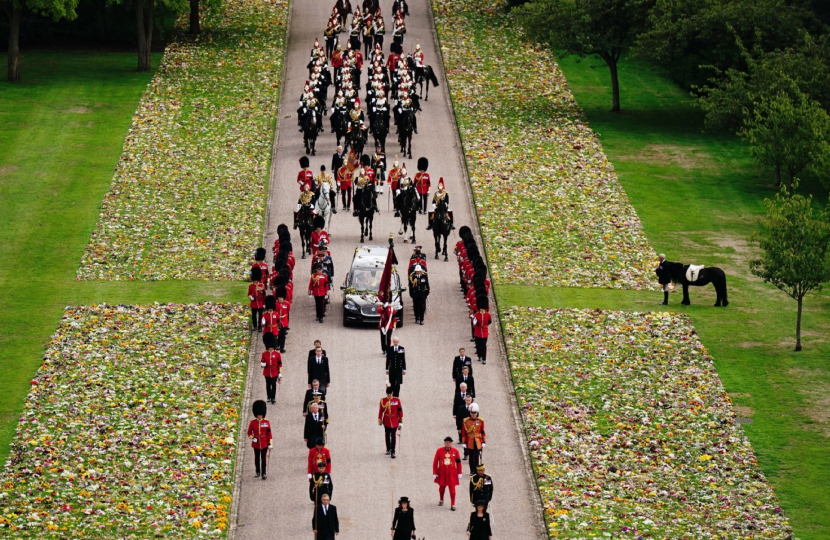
x=371 y=221
x=361 y=229
x=686 y=301
x=413 y=228
x=446 y=257
x=437 y=243
x=410 y=146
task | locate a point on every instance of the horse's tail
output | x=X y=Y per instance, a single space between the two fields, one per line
x=719 y=281
x=431 y=76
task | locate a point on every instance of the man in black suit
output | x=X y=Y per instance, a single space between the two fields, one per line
x=318 y=368
x=461 y=412
x=324 y=523
x=468 y=379
x=313 y=352
x=395 y=366
x=337 y=160
x=459 y=362
x=315 y=426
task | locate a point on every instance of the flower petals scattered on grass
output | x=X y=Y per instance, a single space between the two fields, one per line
x=551 y=208
x=130 y=427
x=186 y=199
x=630 y=430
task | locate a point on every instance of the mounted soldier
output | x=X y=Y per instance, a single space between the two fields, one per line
x=332 y=33
x=441 y=196
x=399 y=29
x=379 y=28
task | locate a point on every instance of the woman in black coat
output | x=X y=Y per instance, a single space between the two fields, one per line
x=403 y=524
x=479 y=527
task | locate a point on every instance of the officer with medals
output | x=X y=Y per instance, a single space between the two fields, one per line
x=320 y=484
x=481 y=486
x=390 y=416
x=419 y=291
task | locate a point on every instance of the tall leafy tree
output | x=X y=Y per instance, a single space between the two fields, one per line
x=145 y=21
x=795 y=248
x=57 y=9
x=687 y=37
x=605 y=28
x=788 y=135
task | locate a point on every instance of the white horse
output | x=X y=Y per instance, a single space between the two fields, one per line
x=323 y=205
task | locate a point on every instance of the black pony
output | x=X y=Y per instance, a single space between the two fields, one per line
x=407 y=204
x=676 y=273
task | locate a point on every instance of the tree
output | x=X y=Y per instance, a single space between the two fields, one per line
x=57 y=9
x=788 y=134
x=796 y=248
x=605 y=28
x=687 y=37
x=144 y=21
x=729 y=99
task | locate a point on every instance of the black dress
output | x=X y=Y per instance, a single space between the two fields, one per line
x=404 y=524
x=479 y=527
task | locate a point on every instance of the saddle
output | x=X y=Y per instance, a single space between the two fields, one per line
x=693 y=273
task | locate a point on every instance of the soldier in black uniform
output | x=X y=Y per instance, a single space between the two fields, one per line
x=395 y=366
x=419 y=291
x=481 y=486
x=320 y=484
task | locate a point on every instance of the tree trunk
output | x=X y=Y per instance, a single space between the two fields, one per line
x=194 y=17
x=615 y=84
x=798 y=327
x=15 y=13
x=144 y=26
x=777 y=175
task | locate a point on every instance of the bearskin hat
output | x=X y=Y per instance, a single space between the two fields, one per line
x=286 y=247
x=304 y=162
x=282 y=228
x=260 y=408
x=256 y=273
x=365 y=161
x=286 y=273
x=483 y=302
x=281 y=292
x=259 y=254
x=270 y=302
x=269 y=340
x=319 y=222
x=423 y=163
x=464 y=232
x=279 y=283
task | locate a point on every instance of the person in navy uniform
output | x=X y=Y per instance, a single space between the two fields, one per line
x=320 y=484
x=395 y=366
x=481 y=486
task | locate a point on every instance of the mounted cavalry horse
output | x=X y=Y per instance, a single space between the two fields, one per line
x=422 y=76
x=322 y=206
x=305 y=222
x=407 y=204
x=406 y=125
x=695 y=276
x=441 y=227
x=308 y=123
x=365 y=206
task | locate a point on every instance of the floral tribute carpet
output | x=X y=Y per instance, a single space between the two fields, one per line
x=630 y=430
x=130 y=427
x=186 y=200
x=552 y=211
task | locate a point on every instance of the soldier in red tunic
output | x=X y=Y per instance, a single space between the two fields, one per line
x=422 y=183
x=344 y=182
x=390 y=416
x=387 y=323
x=318 y=287
x=283 y=309
x=256 y=294
x=447 y=470
x=481 y=322
x=318 y=235
x=305 y=177
x=259 y=431
x=271 y=363
x=259 y=261
x=318 y=454
x=270 y=319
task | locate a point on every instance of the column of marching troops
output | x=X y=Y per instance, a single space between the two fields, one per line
x=271 y=291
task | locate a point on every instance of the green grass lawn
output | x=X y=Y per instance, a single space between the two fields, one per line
x=698 y=195
x=63 y=127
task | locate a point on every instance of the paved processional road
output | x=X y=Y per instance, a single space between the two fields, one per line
x=367 y=483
